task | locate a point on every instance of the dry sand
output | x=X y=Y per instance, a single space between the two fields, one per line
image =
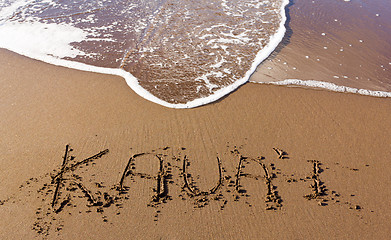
x=44 y=108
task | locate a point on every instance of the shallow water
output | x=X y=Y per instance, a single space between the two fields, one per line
x=178 y=50
x=334 y=41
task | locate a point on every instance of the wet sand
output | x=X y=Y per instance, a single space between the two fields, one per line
x=208 y=172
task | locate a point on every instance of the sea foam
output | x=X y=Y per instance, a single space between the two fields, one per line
x=331 y=87
x=39 y=39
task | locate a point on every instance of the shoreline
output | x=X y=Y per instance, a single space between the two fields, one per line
x=270 y=70
x=46 y=107
x=134 y=84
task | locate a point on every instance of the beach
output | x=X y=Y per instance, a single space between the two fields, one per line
x=326 y=157
x=153 y=119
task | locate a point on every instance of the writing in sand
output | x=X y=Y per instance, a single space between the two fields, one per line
x=168 y=173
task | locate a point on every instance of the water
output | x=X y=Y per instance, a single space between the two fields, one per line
x=185 y=53
x=334 y=42
x=189 y=53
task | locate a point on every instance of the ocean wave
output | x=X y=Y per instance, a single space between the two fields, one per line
x=179 y=54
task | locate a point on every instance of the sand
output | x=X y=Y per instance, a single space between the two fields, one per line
x=329 y=181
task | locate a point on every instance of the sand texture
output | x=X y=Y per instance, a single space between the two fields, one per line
x=83 y=157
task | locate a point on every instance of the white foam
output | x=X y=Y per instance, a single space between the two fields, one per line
x=9 y=11
x=38 y=39
x=64 y=49
x=331 y=86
